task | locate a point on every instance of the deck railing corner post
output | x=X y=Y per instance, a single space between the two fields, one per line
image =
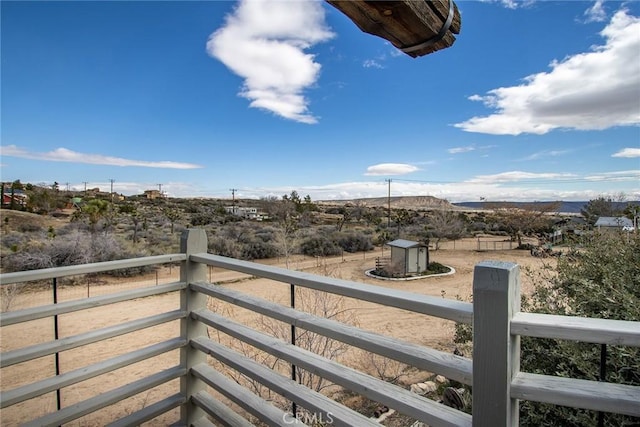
x=496 y=353
x=192 y=241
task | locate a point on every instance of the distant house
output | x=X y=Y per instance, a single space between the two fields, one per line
x=413 y=256
x=611 y=223
x=19 y=198
x=153 y=194
x=244 y=212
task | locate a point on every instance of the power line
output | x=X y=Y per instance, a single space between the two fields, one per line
x=112 y=181
x=389 y=203
x=233 y=199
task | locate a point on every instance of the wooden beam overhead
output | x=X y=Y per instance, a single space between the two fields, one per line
x=416 y=27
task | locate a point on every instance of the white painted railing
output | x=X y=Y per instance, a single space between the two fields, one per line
x=493 y=373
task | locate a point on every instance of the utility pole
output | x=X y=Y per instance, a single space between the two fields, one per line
x=233 y=198
x=85 y=188
x=389 y=203
x=112 y=181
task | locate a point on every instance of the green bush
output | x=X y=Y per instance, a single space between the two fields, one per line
x=437 y=268
x=355 y=242
x=601 y=279
x=320 y=246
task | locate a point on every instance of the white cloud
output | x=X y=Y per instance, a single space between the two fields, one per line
x=517 y=176
x=618 y=176
x=546 y=153
x=65 y=155
x=520 y=186
x=595 y=90
x=457 y=150
x=391 y=169
x=372 y=63
x=627 y=152
x=264 y=43
x=596 y=13
x=511 y=4
x=468 y=148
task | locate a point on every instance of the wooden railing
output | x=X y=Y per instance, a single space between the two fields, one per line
x=493 y=372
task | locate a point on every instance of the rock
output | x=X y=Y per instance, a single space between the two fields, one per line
x=428 y=386
x=440 y=379
x=416 y=389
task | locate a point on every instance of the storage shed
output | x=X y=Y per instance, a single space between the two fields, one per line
x=414 y=256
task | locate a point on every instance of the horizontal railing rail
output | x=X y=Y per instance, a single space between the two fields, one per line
x=96 y=267
x=450 y=365
x=457 y=311
x=205 y=391
x=25 y=354
x=405 y=401
x=584 y=329
x=13 y=317
x=39 y=350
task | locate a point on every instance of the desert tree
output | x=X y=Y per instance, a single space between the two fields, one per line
x=601 y=206
x=286 y=237
x=131 y=210
x=173 y=215
x=346 y=213
x=401 y=218
x=521 y=220
x=443 y=224
x=92 y=212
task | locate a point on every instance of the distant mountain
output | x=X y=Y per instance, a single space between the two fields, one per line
x=430 y=202
x=406 y=202
x=565 y=207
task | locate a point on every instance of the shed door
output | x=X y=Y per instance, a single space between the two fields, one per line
x=412 y=260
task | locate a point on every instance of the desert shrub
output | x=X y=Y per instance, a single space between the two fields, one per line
x=13 y=239
x=72 y=249
x=599 y=280
x=392 y=270
x=354 y=242
x=200 y=219
x=226 y=247
x=259 y=249
x=319 y=246
x=437 y=268
x=602 y=280
x=28 y=227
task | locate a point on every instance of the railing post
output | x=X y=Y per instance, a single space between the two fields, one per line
x=192 y=241
x=496 y=353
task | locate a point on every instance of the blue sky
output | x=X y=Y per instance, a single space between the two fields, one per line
x=536 y=100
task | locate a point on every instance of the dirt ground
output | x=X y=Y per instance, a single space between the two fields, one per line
x=400 y=324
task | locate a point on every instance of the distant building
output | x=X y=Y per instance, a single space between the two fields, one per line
x=19 y=198
x=611 y=223
x=244 y=212
x=153 y=194
x=414 y=256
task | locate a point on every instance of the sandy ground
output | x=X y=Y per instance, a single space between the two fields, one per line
x=404 y=325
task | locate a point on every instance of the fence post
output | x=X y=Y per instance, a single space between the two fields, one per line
x=191 y=241
x=496 y=353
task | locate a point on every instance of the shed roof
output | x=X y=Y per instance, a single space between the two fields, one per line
x=405 y=244
x=613 y=221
